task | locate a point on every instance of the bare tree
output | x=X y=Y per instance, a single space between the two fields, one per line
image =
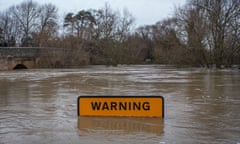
x=210 y=30
x=111 y=30
x=29 y=24
x=26 y=13
x=221 y=17
x=233 y=42
x=105 y=22
x=146 y=34
x=9 y=26
x=192 y=26
x=47 y=24
x=125 y=25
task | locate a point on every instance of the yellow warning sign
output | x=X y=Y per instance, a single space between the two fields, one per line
x=130 y=106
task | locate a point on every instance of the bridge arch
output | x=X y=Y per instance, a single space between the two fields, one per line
x=19 y=66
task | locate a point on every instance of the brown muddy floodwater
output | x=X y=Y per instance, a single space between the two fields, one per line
x=40 y=106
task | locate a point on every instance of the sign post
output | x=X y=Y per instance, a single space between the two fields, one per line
x=122 y=106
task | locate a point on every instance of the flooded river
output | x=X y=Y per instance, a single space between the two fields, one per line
x=40 y=106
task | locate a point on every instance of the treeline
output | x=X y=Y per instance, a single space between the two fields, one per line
x=200 y=33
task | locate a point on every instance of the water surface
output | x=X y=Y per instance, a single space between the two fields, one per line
x=40 y=106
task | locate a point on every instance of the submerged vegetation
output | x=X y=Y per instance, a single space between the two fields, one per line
x=200 y=33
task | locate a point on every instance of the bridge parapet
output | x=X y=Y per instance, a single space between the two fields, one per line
x=19 y=52
x=29 y=57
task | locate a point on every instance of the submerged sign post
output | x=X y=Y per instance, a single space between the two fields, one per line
x=128 y=106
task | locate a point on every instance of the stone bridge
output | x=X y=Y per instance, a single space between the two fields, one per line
x=28 y=58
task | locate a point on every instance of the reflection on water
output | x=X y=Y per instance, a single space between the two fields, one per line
x=120 y=130
x=123 y=125
x=40 y=106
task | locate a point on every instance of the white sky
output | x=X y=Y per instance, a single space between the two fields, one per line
x=145 y=11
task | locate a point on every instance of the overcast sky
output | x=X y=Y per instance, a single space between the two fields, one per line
x=145 y=11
